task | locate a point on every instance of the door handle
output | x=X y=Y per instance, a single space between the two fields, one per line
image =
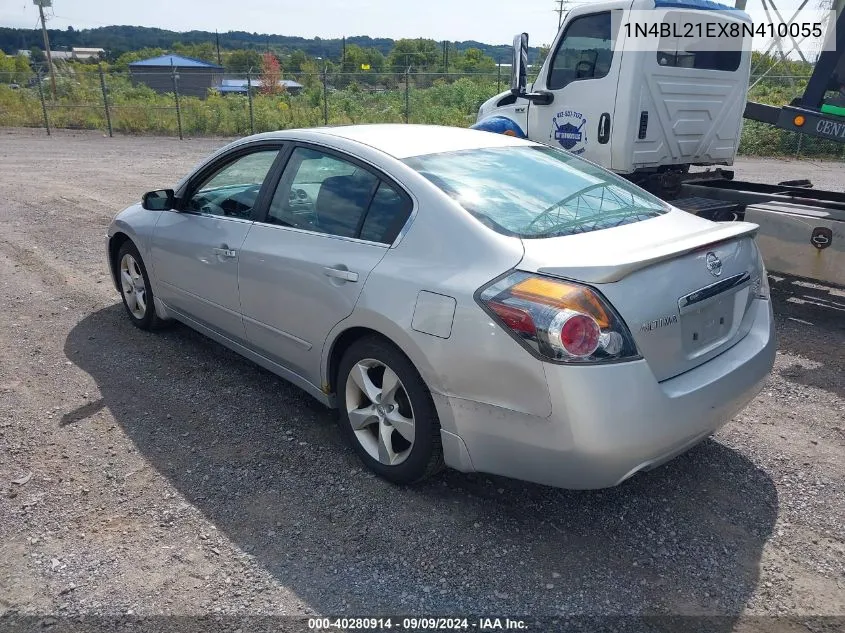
x=225 y=252
x=604 y=128
x=339 y=273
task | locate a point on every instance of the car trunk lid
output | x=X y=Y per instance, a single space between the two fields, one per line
x=682 y=284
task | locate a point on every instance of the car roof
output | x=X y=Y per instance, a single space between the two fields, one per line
x=407 y=140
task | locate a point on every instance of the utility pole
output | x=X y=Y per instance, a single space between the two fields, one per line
x=41 y=4
x=217 y=37
x=560 y=11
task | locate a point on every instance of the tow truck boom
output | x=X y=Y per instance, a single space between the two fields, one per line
x=809 y=114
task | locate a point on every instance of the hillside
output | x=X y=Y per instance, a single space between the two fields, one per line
x=120 y=39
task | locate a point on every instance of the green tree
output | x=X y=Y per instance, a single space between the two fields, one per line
x=310 y=74
x=417 y=54
x=205 y=51
x=36 y=55
x=242 y=61
x=122 y=62
x=473 y=60
x=541 y=56
x=14 y=68
x=296 y=60
x=357 y=57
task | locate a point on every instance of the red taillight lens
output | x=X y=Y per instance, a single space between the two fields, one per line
x=580 y=334
x=516 y=319
x=559 y=320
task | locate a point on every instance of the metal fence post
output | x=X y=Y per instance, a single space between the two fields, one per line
x=798 y=149
x=105 y=98
x=249 y=98
x=176 y=97
x=43 y=104
x=407 y=94
x=499 y=78
x=325 y=96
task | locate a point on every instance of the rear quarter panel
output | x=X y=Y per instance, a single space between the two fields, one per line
x=447 y=252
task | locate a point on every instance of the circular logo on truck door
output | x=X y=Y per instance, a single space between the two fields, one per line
x=714 y=264
x=569 y=130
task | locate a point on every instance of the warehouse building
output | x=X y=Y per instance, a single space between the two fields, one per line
x=194 y=77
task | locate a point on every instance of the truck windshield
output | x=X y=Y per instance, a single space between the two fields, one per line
x=536 y=192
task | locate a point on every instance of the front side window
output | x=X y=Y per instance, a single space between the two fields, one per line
x=233 y=190
x=326 y=194
x=537 y=192
x=585 y=52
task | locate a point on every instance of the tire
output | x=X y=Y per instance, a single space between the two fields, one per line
x=145 y=318
x=380 y=436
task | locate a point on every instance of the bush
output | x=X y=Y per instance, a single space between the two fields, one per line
x=376 y=98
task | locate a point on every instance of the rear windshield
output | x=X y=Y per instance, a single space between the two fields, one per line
x=536 y=192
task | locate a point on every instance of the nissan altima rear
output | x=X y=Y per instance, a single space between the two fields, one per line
x=653 y=327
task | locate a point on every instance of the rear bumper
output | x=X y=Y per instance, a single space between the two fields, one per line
x=610 y=421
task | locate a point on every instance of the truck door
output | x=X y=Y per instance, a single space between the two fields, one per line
x=582 y=75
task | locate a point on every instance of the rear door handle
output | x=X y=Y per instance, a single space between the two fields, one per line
x=225 y=252
x=339 y=273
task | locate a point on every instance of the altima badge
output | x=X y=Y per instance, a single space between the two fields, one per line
x=714 y=264
x=672 y=319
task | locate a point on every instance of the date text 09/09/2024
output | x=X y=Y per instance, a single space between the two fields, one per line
x=417 y=624
x=722 y=29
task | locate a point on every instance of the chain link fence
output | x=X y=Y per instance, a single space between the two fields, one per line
x=182 y=103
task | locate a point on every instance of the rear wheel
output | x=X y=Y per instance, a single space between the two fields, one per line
x=135 y=287
x=387 y=413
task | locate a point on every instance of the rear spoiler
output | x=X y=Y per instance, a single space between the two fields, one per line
x=633 y=260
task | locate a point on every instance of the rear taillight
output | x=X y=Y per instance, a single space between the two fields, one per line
x=760 y=280
x=558 y=320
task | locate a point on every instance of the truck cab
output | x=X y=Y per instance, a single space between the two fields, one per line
x=634 y=107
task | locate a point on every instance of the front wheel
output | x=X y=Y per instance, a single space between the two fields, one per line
x=387 y=413
x=135 y=287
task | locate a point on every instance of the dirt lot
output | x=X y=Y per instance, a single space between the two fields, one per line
x=169 y=476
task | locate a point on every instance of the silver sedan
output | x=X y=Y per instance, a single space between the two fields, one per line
x=463 y=298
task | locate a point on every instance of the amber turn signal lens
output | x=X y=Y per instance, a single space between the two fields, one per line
x=799 y=120
x=562 y=295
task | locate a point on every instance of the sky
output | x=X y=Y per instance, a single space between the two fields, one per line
x=488 y=21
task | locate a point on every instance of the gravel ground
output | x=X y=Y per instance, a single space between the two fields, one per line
x=161 y=474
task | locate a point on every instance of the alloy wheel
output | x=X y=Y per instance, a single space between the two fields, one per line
x=380 y=412
x=132 y=285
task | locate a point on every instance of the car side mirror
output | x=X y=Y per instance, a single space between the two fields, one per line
x=161 y=200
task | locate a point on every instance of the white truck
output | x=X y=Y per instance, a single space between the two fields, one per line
x=650 y=112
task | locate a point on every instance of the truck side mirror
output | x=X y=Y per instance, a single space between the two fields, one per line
x=519 y=67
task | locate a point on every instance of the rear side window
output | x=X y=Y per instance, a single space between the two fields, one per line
x=324 y=193
x=388 y=213
x=585 y=52
x=537 y=192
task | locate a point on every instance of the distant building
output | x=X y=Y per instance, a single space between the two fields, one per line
x=80 y=54
x=239 y=86
x=193 y=76
x=83 y=54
